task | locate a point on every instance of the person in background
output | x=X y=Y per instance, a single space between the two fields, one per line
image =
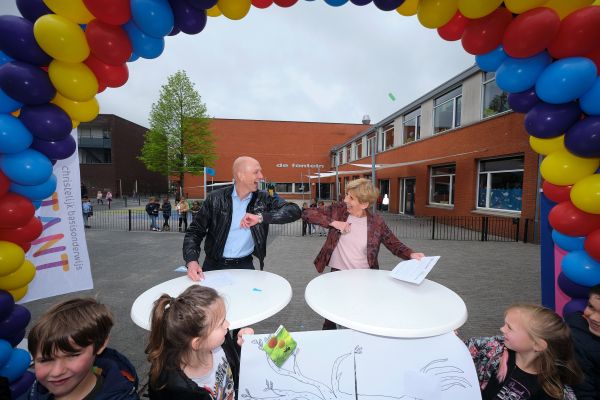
x=152 y=209
x=99 y=197
x=533 y=359
x=195 y=209
x=585 y=330
x=304 y=223
x=87 y=210
x=355 y=234
x=182 y=209
x=109 y=198
x=166 y=210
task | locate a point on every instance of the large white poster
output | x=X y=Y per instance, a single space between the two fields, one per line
x=60 y=254
x=349 y=365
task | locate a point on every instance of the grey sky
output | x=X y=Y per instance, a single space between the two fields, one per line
x=310 y=62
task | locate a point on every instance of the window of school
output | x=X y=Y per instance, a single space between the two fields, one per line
x=446 y=111
x=358 y=148
x=411 y=126
x=370 y=141
x=301 y=187
x=340 y=160
x=388 y=136
x=441 y=185
x=348 y=150
x=501 y=184
x=495 y=100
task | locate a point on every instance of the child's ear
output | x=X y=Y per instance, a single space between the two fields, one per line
x=101 y=349
x=196 y=343
x=540 y=345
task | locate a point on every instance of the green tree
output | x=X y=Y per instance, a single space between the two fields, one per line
x=179 y=140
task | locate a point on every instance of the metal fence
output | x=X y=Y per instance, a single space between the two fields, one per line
x=473 y=228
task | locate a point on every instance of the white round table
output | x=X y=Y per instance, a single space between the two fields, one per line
x=371 y=301
x=250 y=295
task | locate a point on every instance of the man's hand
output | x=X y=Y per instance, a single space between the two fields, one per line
x=241 y=333
x=343 y=227
x=249 y=220
x=416 y=256
x=194 y=271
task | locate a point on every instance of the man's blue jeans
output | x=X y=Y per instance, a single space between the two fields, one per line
x=153 y=224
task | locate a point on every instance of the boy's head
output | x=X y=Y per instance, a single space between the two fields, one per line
x=65 y=342
x=592 y=311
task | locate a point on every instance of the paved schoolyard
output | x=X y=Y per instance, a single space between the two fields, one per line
x=487 y=275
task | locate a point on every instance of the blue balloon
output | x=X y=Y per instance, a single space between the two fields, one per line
x=566 y=80
x=26 y=83
x=519 y=74
x=133 y=57
x=522 y=102
x=152 y=17
x=16 y=365
x=36 y=203
x=5 y=351
x=551 y=120
x=491 y=61
x=14 y=137
x=590 y=101
x=36 y=193
x=17 y=40
x=46 y=122
x=583 y=138
x=336 y=3
x=144 y=46
x=8 y=104
x=567 y=243
x=29 y=167
x=582 y=269
x=4 y=58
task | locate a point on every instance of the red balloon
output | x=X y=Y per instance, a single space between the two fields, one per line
x=285 y=3
x=592 y=244
x=114 y=12
x=483 y=35
x=15 y=211
x=556 y=193
x=25 y=246
x=531 y=32
x=595 y=57
x=262 y=3
x=578 y=35
x=108 y=75
x=108 y=43
x=4 y=184
x=571 y=221
x=23 y=234
x=454 y=29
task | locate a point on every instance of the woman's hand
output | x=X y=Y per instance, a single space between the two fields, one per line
x=343 y=227
x=416 y=256
x=241 y=333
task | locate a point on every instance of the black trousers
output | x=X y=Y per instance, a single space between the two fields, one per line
x=228 y=263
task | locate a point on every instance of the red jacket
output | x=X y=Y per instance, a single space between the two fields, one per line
x=377 y=233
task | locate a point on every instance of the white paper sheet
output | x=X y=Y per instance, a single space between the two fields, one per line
x=414 y=271
x=349 y=365
x=217 y=281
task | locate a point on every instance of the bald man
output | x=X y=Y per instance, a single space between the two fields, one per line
x=233 y=222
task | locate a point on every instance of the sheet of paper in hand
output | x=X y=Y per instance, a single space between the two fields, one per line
x=280 y=346
x=414 y=271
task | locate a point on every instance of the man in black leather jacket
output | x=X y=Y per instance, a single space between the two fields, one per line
x=235 y=220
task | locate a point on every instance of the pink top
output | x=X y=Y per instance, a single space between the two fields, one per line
x=351 y=250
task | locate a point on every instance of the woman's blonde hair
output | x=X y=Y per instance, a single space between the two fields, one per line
x=556 y=363
x=363 y=190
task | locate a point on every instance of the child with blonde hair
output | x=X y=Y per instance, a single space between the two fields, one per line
x=533 y=359
x=191 y=354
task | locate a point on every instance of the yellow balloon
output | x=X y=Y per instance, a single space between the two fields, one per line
x=75 y=81
x=61 y=38
x=16 y=113
x=19 y=293
x=409 y=7
x=547 y=146
x=11 y=257
x=82 y=111
x=564 y=168
x=435 y=13
x=566 y=7
x=214 y=11
x=234 y=9
x=477 y=8
x=585 y=194
x=21 y=277
x=520 y=6
x=74 y=10
x=75 y=123
x=596 y=3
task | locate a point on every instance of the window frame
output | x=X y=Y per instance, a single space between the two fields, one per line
x=488 y=188
x=484 y=84
x=456 y=110
x=451 y=189
x=416 y=116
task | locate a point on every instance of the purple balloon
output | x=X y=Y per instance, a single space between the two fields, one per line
x=188 y=19
x=583 y=139
x=26 y=83
x=571 y=288
x=574 y=305
x=46 y=122
x=202 y=4
x=360 y=2
x=174 y=31
x=32 y=9
x=16 y=321
x=546 y=120
x=22 y=385
x=17 y=40
x=7 y=302
x=522 y=102
x=388 y=5
x=14 y=338
x=57 y=150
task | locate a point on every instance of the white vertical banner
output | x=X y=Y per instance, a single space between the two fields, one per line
x=60 y=254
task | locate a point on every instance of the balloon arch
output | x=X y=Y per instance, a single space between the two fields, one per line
x=54 y=59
